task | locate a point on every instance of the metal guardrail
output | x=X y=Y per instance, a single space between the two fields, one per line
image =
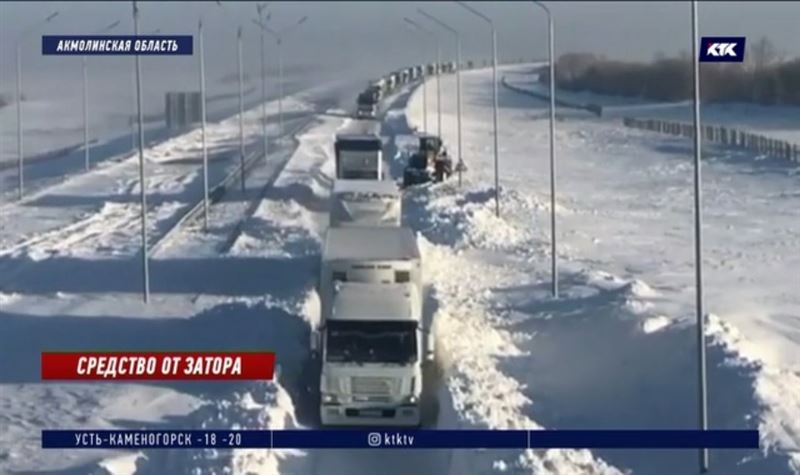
x=721 y=135
x=216 y=193
x=593 y=108
x=253 y=204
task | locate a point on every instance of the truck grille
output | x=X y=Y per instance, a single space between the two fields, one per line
x=369 y=385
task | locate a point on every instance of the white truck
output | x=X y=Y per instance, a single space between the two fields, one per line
x=366 y=106
x=359 y=156
x=378 y=85
x=372 y=347
x=365 y=203
x=391 y=81
x=377 y=255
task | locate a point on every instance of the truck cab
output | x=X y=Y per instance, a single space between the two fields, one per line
x=372 y=347
x=391 y=82
x=366 y=110
x=365 y=203
x=375 y=89
x=359 y=157
x=367 y=105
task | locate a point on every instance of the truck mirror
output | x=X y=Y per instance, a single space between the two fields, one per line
x=430 y=356
x=430 y=343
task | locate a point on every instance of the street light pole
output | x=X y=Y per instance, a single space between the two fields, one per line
x=241 y=104
x=494 y=94
x=458 y=80
x=85 y=115
x=458 y=105
x=133 y=100
x=142 y=183
x=279 y=35
x=494 y=121
x=438 y=87
x=20 y=147
x=424 y=76
x=264 y=99
x=698 y=245
x=551 y=59
x=86 y=102
x=20 y=138
x=424 y=99
x=203 y=122
x=239 y=66
x=280 y=87
x=261 y=8
x=133 y=108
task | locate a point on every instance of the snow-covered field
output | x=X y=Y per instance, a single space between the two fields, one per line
x=779 y=122
x=53 y=109
x=616 y=350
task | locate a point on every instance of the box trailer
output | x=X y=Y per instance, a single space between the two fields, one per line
x=365 y=203
x=372 y=347
x=378 y=255
x=359 y=157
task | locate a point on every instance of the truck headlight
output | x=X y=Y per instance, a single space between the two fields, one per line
x=329 y=398
x=412 y=399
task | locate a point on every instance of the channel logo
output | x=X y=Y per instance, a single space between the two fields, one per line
x=722 y=49
x=374 y=439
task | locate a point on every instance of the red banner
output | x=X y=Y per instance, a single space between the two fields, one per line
x=121 y=366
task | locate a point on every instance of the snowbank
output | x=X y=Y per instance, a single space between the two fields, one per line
x=622 y=326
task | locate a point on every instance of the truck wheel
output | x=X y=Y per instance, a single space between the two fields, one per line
x=307 y=410
x=432 y=375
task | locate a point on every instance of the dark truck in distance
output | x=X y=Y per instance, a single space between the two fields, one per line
x=367 y=104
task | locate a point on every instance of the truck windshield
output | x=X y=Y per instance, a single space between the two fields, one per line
x=361 y=164
x=371 y=342
x=366 y=100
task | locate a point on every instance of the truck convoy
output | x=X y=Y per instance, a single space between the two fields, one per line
x=367 y=102
x=372 y=342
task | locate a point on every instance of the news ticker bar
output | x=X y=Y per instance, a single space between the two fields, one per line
x=408 y=439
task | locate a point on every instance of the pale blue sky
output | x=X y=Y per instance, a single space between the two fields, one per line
x=362 y=37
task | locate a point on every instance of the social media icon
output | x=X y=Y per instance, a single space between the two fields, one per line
x=374 y=439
